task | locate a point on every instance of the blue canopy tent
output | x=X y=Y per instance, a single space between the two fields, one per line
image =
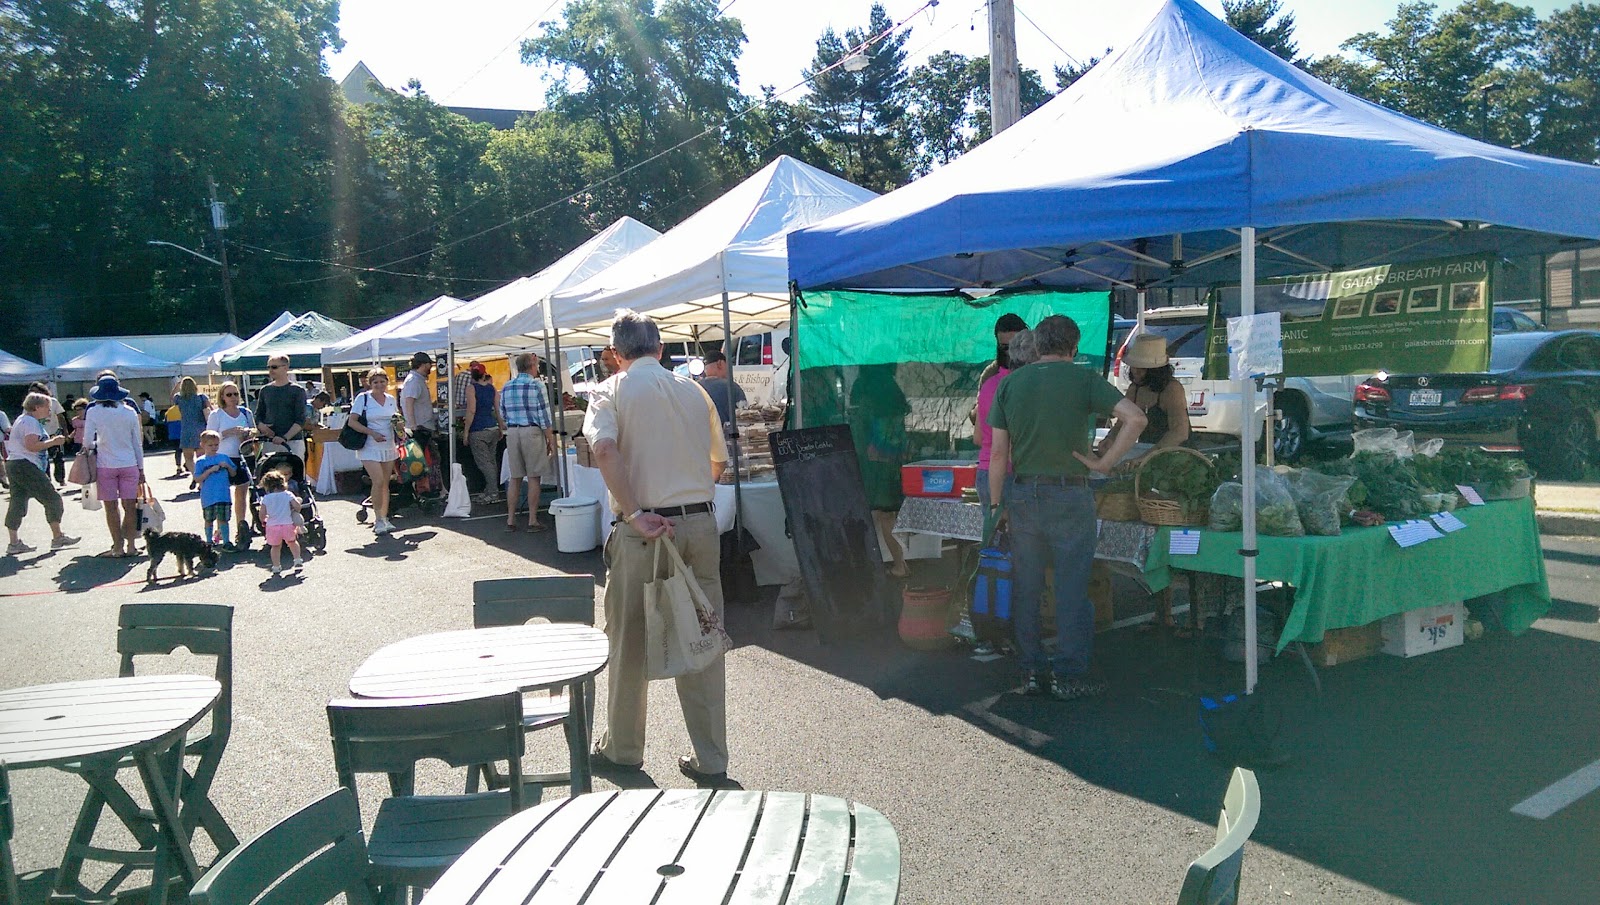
x=1187 y=149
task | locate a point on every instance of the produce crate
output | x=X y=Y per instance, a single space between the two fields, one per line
x=944 y=478
x=350 y=483
x=1425 y=630
x=581 y=450
x=1346 y=645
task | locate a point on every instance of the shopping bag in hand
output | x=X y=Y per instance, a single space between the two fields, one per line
x=683 y=633
x=151 y=516
x=459 y=504
x=91 y=498
x=83 y=472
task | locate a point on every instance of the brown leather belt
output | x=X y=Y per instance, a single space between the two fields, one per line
x=679 y=511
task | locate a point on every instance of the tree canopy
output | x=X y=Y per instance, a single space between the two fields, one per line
x=116 y=114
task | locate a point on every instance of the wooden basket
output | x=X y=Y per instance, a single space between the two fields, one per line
x=1156 y=511
x=1118 y=507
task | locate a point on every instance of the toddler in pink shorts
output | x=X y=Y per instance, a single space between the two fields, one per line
x=278 y=510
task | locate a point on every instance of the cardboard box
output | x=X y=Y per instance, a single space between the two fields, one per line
x=941 y=478
x=1425 y=630
x=584 y=454
x=1345 y=645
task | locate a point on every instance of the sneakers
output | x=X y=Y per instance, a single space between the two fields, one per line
x=299 y=566
x=1033 y=682
x=17 y=548
x=1076 y=688
x=64 y=540
x=277 y=572
x=382 y=526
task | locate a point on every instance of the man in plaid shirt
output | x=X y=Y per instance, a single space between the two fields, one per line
x=530 y=439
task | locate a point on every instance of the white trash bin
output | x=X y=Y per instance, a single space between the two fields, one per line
x=577 y=523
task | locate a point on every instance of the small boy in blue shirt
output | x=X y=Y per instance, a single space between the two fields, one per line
x=212 y=472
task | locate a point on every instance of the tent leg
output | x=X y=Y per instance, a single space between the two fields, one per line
x=562 y=478
x=450 y=395
x=1247 y=469
x=732 y=429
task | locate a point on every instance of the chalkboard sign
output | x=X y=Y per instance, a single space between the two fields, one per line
x=835 y=539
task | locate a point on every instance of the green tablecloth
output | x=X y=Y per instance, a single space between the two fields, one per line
x=1363 y=575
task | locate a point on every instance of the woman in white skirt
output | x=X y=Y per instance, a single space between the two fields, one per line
x=378 y=408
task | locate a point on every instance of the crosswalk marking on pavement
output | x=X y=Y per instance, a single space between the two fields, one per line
x=1547 y=801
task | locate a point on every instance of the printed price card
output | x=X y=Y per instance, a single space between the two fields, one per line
x=1470 y=494
x=1409 y=534
x=1183 y=543
x=1448 y=522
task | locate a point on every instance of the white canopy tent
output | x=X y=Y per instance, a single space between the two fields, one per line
x=15 y=370
x=513 y=316
x=128 y=362
x=728 y=264
x=203 y=363
x=424 y=328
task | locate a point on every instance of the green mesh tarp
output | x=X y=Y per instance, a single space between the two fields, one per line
x=903 y=370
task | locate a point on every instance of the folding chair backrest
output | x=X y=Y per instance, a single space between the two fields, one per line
x=204 y=629
x=8 y=868
x=310 y=857
x=1213 y=878
x=500 y=602
x=373 y=735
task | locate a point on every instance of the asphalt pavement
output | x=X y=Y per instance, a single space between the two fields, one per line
x=1399 y=788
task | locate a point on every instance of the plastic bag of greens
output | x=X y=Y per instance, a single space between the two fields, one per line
x=1275 y=507
x=1227 y=507
x=1385 y=440
x=1319 y=499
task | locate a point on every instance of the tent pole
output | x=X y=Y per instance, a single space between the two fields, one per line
x=1246 y=388
x=563 y=476
x=450 y=394
x=796 y=422
x=727 y=346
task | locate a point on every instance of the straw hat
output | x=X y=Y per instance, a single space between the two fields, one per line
x=1149 y=351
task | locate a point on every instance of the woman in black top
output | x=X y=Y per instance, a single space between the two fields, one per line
x=1154 y=390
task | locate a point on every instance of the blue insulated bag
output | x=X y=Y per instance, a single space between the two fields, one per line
x=991 y=597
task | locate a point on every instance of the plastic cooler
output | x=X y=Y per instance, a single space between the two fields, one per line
x=938 y=477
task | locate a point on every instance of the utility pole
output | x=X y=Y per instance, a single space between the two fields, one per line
x=1005 y=101
x=1483 y=108
x=219 y=222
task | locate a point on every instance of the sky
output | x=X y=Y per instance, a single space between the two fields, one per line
x=465 y=52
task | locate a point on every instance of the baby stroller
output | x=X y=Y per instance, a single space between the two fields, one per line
x=417 y=480
x=272 y=457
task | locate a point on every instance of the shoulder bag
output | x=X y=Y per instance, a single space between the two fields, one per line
x=349 y=437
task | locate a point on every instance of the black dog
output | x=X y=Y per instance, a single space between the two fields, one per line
x=184 y=547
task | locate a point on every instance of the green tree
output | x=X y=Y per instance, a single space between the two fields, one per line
x=650 y=82
x=858 y=114
x=1255 y=20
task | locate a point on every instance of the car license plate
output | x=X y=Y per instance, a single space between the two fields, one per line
x=1424 y=397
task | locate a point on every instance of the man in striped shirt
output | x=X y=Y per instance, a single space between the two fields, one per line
x=530 y=440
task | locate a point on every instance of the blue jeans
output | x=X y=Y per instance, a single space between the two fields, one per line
x=983 y=489
x=1052 y=525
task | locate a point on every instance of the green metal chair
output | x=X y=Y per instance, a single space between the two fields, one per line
x=160 y=629
x=8 y=868
x=311 y=857
x=415 y=838
x=498 y=602
x=1213 y=878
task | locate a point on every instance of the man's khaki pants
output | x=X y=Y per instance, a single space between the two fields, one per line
x=629 y=564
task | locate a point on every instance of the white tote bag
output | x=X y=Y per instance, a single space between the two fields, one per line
x=91 y=498
x=682 y=631
x=459 y=503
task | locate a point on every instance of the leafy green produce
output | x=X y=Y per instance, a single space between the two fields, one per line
x=1456 y=465
x=1321 y=499
x=1391 y=483
x=1178 y=476
x=1279 y=519
x=1276 y=514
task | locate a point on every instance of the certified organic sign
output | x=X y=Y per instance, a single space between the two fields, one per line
x=1423 y=316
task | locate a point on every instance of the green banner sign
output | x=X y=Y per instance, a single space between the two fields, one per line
x=1424 y=316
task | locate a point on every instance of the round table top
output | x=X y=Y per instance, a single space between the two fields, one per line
x=530 y=657
x=45 y=725
x=680 y=846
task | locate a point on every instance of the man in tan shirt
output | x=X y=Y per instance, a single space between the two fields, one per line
x=657 y=440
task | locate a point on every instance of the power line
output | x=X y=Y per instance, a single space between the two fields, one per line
x=756 y=105
x=1072 y=59
x=525 y=29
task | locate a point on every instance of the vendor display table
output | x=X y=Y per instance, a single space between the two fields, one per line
x=1121 y=542
x=334 y=458
x=1362 y=575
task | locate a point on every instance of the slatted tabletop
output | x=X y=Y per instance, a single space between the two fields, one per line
x=677 y=847
x=47 y=725
x=531 y=657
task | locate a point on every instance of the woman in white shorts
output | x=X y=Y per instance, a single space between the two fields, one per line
x=378 y=408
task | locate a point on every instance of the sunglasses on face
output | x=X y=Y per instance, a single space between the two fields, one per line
x=230 y=395
x=274 y=367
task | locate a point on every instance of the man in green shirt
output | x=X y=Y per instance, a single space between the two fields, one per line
x=1042 y=417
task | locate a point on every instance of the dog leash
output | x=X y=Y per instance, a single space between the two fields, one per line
x=109 y=584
